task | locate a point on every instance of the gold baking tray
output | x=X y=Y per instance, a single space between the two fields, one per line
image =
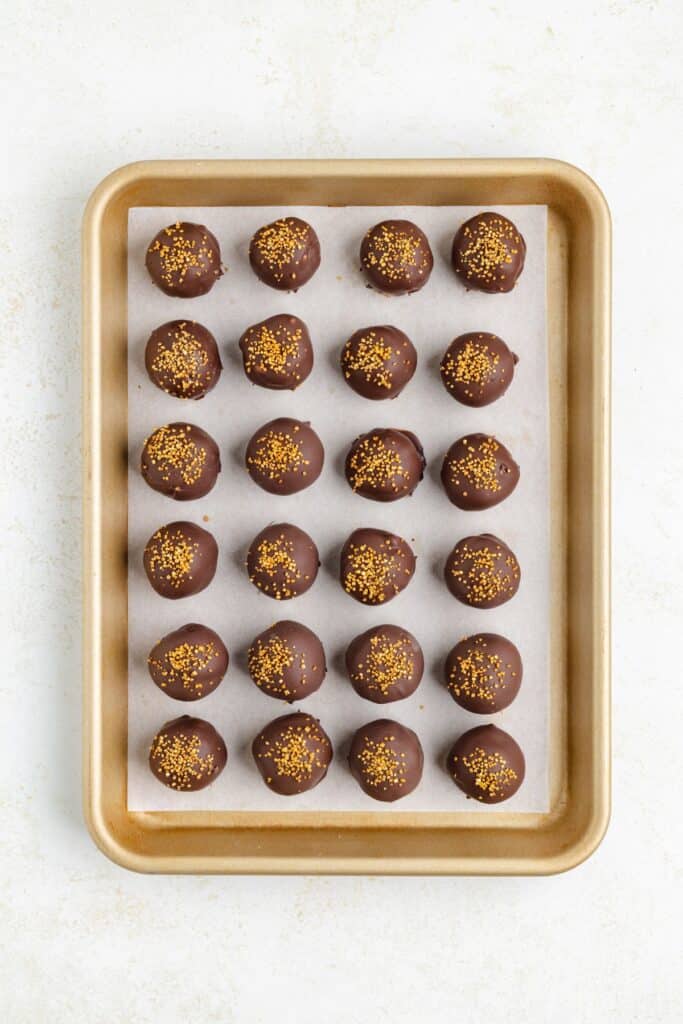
x=579 y=341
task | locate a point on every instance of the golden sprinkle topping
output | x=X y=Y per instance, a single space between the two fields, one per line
x=272 y=349
x=478 y=674
x=275 y=559
x=383 y=767
x=268 y=662
x=171 y=556
x=387 y=663
x=477 y=466
x=296 y=753
x=393 y=251
x=369 y=356
x=171 y=450
x=178 y=759
x=371 y=573
x=183 y=365
x=280 y=245
x=184 y=663
x=179 y=254
x=487 y=577
x=374 y=464
x=489 y=245
x=277 y=453
x=491 y=772
x=474 y=364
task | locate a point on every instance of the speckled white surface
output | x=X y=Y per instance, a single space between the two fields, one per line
x=87 y=87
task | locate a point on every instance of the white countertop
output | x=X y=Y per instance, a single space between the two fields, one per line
x=88 y=87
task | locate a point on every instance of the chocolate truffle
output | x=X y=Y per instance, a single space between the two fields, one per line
x=188 y=663
x=385 y=664
x=282 y=561
x=181 y=461
x=285 y=254
x=180 y=559
x=182 y=359
x=385 y=465
x=482 y=571
x=478 y=472
x=484 y=673
x=184 y=259
x=396 y=257
x=285 y=456
x=386 y=760
x=488 y=253
x=486 y=764
x=187 y=754
x=292 y=754
x=277 y=352
x=287 y=661
x=378 y=362
x=375 y=566
x=477 y=368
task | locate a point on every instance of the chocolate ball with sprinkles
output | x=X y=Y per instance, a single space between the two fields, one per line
x=385 y=465
x=277 y=353
x=386 y=760
x=182 y=358
x=187 y=754
x=184 y=260
x=284 y=456
x=282 y=561
x=378 y=362
x=285 y=254
x=478 y=472
x=484 y=673
x=375 y=566
x=287 y=661
x=396 y=257
x=477 y=368
x=181 y=461
x=486 y=764
x=292 y=754
x=180 y=559
x=385 y=664
x=481 y=571
x=188 y=663
x=488 y=253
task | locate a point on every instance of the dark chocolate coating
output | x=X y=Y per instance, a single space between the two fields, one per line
x=482 y=571
x=180 y=559
x=477 y=368
x=385 y=465
x=377 y=362
x=284 y=456
x=386 y=760
x=188 y=663
x=385 y=664
x=292 y=753
x=285 y=254
x=486 y=764
x=488 y=253
x=181 y=461
x=396 y=257
x=375 y=566
x=277 y=352
x=287 y=661
x=478 y=472
x=182 y=359
x=187 y=754
x=484 y=673
x=282 y=561
x=184 y=259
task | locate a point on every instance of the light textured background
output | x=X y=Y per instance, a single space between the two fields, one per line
x=87 y=87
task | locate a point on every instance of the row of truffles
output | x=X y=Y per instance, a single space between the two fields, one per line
x=488 y=252
x=377 y=362
x=293 y=754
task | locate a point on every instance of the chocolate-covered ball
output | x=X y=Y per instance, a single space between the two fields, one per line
x=478 y=472
x=482 y=571
x=292 y=754
x=282 y=561
x=385 y=664
x=486 y=764
x=285 y=456
x=277 y=352
x=182 y=358
x=188 y=663
x=378 y=362
x=488 y=253
x=396 y=257
x=187 y=754
x=184 y=259
x=180 y=559
x=375 y=566
x=477 y=368
x=287 y=661
x=386 y=760
x=385 y=465
x=484 y=673
x=285 y=254
x=181 y=461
